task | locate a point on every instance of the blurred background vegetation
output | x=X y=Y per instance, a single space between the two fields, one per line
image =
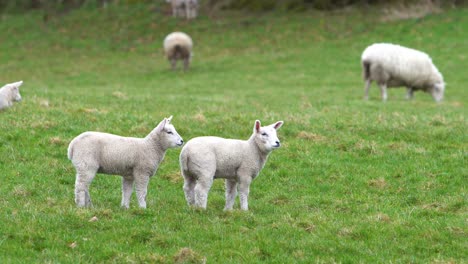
x=213 y=5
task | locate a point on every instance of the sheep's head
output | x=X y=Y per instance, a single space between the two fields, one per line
x=168 y=134
x=437 y=91
x=266 y=137
x=14 y=88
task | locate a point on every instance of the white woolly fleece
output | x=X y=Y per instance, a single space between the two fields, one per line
x=9 y=93
x=413 y=67
x=135 y=159
x=238 y=161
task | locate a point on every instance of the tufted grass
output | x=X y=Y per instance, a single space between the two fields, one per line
x=355 y=181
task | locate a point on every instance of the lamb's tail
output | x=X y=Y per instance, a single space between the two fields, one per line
x=70 y=151
x=183 y=161
x=365 y=70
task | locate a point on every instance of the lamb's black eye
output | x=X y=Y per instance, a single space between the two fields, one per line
x=264 y=134
x=169 y=132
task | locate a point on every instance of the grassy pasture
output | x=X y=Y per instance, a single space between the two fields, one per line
x=355 y=181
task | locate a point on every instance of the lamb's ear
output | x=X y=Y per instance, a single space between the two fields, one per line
x=278 y=124
x=257 y=126
x=161 y=125
x=16 y=84
x=169 y=119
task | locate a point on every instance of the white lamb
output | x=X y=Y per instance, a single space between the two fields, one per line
x=184 y=8
x=238 y=161
x=392 y=65
x=9 y=94
x=178 y=46
x=135 y=159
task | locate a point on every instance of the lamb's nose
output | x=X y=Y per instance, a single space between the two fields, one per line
x=277 y=143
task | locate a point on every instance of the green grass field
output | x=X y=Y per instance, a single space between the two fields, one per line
x=354 y=182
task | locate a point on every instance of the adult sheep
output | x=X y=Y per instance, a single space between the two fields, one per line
x=135 y=159
x=9 y=93
x=178 y=46
x=203 y=159
x=392 y=65
x=184 y=8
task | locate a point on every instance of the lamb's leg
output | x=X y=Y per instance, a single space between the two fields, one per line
x=409 y=94
x=141 y=187
x=189 y=189
x=88 y=198
x=244 y=189
x=83 y=180
x=383 y=91
x=80 y=191
x=127 y=189
x=231 y=193
x=202 y=188
x=366 y=89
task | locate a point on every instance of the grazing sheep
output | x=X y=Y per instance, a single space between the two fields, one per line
x=135 y=159
x=184 y=8
x=392 y=65
x=9 y=94
x=204 y=159
x=178 y=46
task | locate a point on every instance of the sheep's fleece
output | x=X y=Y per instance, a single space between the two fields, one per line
x=178 y=46
x=9 y=93
x=203 y=159
x=135 y=159
x=392 y=65
x=184 y=8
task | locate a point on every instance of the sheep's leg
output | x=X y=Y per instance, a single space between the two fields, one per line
x=409 y=94
x=127 y=189
x=193 y=11
x=141 y=187
x=366 y=89
x=186 y=63
x=173 y=64
x=83 y=180
x=231 y=193
x=88 y=198
x=189 y=189
x=187 y=11
x=174 y=9
x=244 y=189
x=80 y=191
x=180 y=11
x=383 y=91
x=202 y=188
